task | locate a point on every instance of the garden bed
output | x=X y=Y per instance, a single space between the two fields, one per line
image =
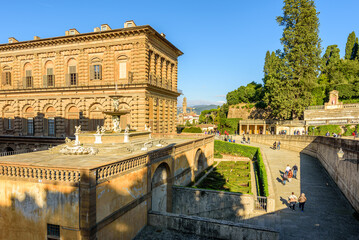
x=231 y=176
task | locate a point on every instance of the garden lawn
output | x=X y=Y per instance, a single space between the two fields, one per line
x=231 y=176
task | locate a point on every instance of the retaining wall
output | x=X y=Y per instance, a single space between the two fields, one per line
x=211 y=228
x=211 y=204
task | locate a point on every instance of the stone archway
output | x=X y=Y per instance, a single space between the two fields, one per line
x=160 y=188
x=200 y=162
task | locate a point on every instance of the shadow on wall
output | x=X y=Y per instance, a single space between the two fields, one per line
x=41 y=125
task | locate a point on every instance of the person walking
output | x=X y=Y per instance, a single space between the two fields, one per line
x=287 y=168
x=292 y=201
x=295 y=170
x=290 y=175
x=249 y=140
x=285 y=177
x=274 y=145
x=302 y=199
x=278 y=145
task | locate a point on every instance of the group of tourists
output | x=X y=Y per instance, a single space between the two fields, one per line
x=339 y=135
x=246 y=141
x=293 y=201
x=289 y=173
x=276 y=145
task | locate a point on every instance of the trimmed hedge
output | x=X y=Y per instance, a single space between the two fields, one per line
x=221 y=147
x=192 y=130
x=261 y=175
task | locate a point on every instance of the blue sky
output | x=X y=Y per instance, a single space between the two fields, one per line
x=224 y=42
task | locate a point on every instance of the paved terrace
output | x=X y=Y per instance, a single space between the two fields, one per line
x=108 y=153
x=327 y=213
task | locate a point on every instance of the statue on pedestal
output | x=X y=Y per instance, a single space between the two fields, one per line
x=116 y=124
x=78 y=129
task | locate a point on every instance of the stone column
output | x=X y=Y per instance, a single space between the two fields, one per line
x=240 y=128
x=264 y=128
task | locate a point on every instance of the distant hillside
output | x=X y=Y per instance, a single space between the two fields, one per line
x=199 y=108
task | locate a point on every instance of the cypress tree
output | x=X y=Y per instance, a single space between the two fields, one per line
x=300 y=59
x=331 y=55
x=351 y=48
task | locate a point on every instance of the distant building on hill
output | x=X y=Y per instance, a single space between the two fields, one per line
x=187 y=115
x=331 y=113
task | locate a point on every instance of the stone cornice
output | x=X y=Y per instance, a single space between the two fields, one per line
x=133 y=31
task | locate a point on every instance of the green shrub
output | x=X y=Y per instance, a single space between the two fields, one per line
x=192 y=130
x=261 y=175
x=322 y=130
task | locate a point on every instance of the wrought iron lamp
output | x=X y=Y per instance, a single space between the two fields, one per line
x=342 y=158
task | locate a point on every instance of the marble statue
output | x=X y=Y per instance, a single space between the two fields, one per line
x=116 y=124
x=127 y=129
x=78 y=129
x=103 y=130
x=116 y=104
x=98 y=131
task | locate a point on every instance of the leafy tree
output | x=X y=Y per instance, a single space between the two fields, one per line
x=331 y=55
x=351 y=48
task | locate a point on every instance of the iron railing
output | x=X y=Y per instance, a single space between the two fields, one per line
x=260 y=203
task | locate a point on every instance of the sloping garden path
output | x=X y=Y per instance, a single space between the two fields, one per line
x=327 y=214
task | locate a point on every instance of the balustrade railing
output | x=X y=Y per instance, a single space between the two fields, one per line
x=40 y=173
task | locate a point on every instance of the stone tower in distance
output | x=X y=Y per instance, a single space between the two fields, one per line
x=184 y=105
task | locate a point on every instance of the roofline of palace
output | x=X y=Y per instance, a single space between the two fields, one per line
x=88 y=36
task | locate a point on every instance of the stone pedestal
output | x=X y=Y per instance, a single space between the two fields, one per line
x=98 y=139
x=126 y=138
x=77 y=142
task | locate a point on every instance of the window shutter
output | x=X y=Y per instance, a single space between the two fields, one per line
x=72 y=69
x=24 y=126
x=9 y=74
x=100 y=67
x=46 y=127
x=24 y=82
x=92 y=72
x=67 y=80
x=3 y=79
x=6 y=123
x=55 y=127
x=44 y=80
x=123 y=70
x=50 y=71
x=12 y=123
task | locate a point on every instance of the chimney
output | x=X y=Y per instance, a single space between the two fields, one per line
x=12 y=40
x=96 y=29
x=72 y=31
x=36 y=38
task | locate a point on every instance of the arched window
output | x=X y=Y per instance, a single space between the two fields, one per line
x=122 y=67
x=6 y=76
x=8 y=116
x=71 y=76
x=28 y=121
x=72 y=120
x=96 y=69
x=49 y=122
x=49 y=77
x=28 y=79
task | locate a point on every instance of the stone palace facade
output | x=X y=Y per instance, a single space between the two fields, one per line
x=50 y=85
